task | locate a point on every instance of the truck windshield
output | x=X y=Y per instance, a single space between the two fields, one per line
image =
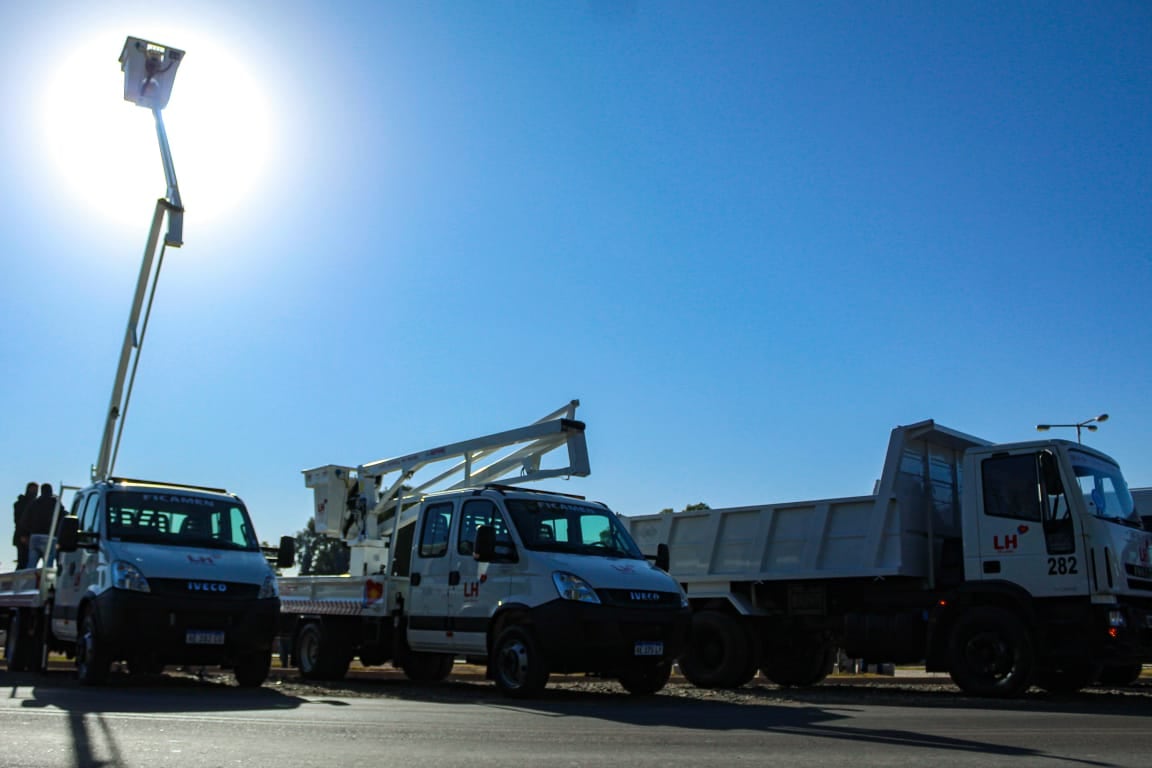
x=177 y=519
x=1105 y=493
x=569 y=526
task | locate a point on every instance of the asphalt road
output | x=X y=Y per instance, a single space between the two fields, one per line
x=181 y=720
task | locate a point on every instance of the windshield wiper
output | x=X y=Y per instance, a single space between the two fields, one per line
x=1127 y=521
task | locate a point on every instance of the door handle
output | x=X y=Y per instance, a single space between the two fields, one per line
x=991 y=566
x=414 y=579
x=453 y=578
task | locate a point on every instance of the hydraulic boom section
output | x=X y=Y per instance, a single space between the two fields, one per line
x=352 y=503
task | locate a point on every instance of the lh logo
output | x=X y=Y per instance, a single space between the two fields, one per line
x=1010 y=542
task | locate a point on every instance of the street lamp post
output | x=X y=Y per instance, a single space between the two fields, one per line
x=149 y=70
x=1088 y=424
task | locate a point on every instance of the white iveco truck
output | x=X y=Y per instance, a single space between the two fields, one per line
x=532 y=582
x=1003 y=565
x=152 y=574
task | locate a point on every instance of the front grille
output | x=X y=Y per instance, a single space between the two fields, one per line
x=203 y=588
x=639 y=598
x=1139 y=571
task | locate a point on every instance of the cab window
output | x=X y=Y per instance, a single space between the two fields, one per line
x=434 y=530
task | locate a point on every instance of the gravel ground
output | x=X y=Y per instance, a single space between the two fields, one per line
x=905 y=688
x=467 y=683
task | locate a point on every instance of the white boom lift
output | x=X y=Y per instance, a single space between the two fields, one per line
x=358 y=504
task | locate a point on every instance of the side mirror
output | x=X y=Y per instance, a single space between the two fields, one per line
x=286 y=557
x=485 y=550
x=68 y=534
x=1050 y=472
x=662 y=557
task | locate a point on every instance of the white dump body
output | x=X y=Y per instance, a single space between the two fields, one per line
x=883 y=535
x=1143 y=500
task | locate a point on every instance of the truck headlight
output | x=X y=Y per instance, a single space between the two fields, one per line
x=1116 y=618
x=572 y=587
x=268 y=589
x=127 y=576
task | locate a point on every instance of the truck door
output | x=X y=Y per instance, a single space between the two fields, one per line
x=472 y=598
x=429 y=628
x=77 y=571
x=1028 y=534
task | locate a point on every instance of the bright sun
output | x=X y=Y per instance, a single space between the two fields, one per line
x=106 y=151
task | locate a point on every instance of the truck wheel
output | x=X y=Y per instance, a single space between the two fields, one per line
x=251 y=669
x=42 y=639
x=1120 y=675
x=428 y=667
x=15 y=652
x=646 y=680
x=92 y=662
x=518 y=667
x=319 y=656
x=801 y=666
x=1067 y=677
x=718 y=653
x=991 y=654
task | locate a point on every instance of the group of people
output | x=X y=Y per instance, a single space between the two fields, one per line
x=33 y=512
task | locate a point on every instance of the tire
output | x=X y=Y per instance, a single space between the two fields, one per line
x=803 y=665
x=373 y=658
x=92 y=661
x=719 y=654
x=991 y=654
x=428 y=667
x=518 y=667
x=1120 y=675
x=41 y=639
x=251 y=669
x=1067 y=677
x=319 y=656
x=647 y=679
x=15 y=648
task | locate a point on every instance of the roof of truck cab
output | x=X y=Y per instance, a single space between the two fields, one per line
x=125 y=483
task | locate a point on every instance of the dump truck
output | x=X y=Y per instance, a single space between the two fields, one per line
x=452 y=556
x=1004 y=565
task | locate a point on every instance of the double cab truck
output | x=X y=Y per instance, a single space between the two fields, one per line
x=527 y=582
x=151 y=574
x=1004 y=565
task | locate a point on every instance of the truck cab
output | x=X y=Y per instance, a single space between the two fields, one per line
x=539 y=582
x=157 y=574
x=1055 y=520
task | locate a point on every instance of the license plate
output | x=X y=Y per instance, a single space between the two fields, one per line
x=649 y=649
x=203 y=637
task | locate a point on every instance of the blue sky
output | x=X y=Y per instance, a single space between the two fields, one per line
x=751 y=238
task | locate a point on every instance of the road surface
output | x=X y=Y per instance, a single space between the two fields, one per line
x=180 y=720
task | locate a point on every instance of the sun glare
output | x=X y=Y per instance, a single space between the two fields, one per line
x=105 y=150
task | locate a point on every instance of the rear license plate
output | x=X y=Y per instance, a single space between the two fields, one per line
x=204 y=637
x=644 y=648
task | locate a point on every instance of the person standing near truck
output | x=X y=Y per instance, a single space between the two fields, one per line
x=19 y=531
x=38 y=522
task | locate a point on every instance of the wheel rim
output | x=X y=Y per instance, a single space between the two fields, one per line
x=513 y=663
x=12 y=644
x=308 y=651
x=989 y=655
x=709 y=650
x=85 y=648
